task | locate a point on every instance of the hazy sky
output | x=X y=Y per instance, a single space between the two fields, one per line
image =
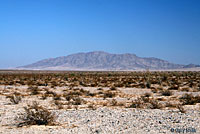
x=31 y=30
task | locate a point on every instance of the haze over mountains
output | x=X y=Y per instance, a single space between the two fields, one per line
x=99 y=60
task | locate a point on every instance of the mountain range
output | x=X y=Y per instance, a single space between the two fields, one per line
x=99 y=60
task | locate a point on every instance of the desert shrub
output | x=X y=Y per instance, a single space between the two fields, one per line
x=54 y=84
x=189 y=99
x=141 y=85
x=148 y=84
x=181 y=109
x=58 y=104
x=75 y=93
x=82 y=91
x=15 y=99
x=114 y=102
x=166 y=92
x=77 y=101
x=68 y=97
x=91 y=106
x=109 y=95
x=170 y=104
x=66 y=78
x=113 y=88
x=50 y=93
x=72 y=74
x=69 y=107
x=154 y=90
x=145 y=102
x=100 y=93
x=91 y=94
x=138 y=103
x=34 y=90
x=155 y=104
x=57 y=97
x=145 y=99
x=164 y=78
x=186 y=89
x=44 y=96
x=99 y=88
x=36 y=115
x=174 y=87
x=147 y=95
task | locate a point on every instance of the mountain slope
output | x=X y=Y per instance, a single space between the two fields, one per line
x=103 y=61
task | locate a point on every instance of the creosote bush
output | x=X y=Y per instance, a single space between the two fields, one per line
x=147 y=95
x=36 y=115
x=92 y=106
x=181 y=109
x=145 y=102
x=34 y=90
x=166 y=92
x=189 y=99
x=114 y=102
x=155 y=104
x=109 y=95
x=113 y=88
x=15 y=99
x=138 y=103
x=77 y=101
x=148 y=84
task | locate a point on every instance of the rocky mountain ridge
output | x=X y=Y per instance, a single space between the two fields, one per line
x=99 y=60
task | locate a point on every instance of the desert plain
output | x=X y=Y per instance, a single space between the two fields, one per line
x=107 y=102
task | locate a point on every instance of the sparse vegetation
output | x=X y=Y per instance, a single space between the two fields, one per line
x=15 y=99
x=113 y=88
x=138 y=103
x=34 y=90
x=181 y=109
x=189 y=99
x=109 y=94
x=77 y=101
x=155 y=104
x=36 y=115
x=73 y=90
x=91 y=106
x=147 y=95
x=166 y=92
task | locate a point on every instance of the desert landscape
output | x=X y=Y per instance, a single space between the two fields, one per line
x=99 y=67
x=99 y=102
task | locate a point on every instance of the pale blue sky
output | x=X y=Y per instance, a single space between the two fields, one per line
x=31 y=30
